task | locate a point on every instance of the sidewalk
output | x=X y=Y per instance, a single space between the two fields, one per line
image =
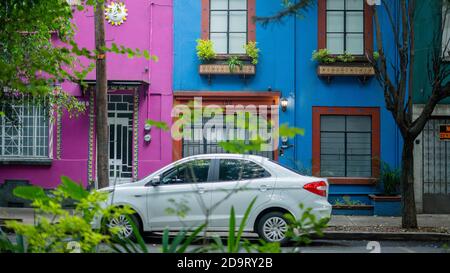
x=438 y=221
x=432 y=227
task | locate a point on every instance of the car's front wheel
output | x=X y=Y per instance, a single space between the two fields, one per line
x=124 y=226
x=272 y=227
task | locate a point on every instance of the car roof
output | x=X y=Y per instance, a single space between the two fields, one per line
x=227 y=156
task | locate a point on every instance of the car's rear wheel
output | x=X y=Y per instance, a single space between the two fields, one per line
x=272 y=227
x=124 y=225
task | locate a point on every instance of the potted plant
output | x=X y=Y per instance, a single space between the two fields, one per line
x=213 y=64
x=346 y=64
x=252 y=51
x=388 y=203
x=205 y=50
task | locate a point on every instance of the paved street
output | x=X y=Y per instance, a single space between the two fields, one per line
x=328 y=246
x=322 y=246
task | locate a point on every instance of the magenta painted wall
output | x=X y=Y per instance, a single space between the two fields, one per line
x=149 y=25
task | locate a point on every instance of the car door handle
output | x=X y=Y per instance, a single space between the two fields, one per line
x=264 y=188
x=201 y=190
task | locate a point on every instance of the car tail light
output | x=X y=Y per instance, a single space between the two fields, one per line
x=319 y=188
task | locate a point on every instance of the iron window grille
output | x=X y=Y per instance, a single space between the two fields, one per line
x=346 y=152
x=25 y=131
x=435 y=159
x=195 y=145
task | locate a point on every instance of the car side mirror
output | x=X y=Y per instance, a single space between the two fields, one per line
x=156 y=181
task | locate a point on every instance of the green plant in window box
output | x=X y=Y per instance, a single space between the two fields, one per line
x=205 y=50
x=376 y=55
x=233 y=63
x=323 y=56
x=252 y=51
x=346 y=58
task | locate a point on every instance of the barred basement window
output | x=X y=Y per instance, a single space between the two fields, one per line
x=346 y=146
x=228 y=26
x=202 y=141
x=24 y=132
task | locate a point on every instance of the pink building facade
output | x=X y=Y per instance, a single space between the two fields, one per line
x=40 y=150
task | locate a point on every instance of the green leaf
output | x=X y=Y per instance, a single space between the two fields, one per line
x=232 y=225
x=137 y=235
x=191 y=238
x=242 y=225
x=287 y=131
x=146 y=54
x=165 y=241
x=158 y=124
x=73 y=189
x=30 y=192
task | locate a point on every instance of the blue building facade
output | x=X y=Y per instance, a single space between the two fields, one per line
x=340 y=105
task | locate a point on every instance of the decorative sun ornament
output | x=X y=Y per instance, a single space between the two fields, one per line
x=116 y=13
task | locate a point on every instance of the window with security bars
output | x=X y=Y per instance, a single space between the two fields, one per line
x=346 y=146
x=205 y=140
x=24 y=131
x=228 y=26
x=345 y=26
x=435 y=159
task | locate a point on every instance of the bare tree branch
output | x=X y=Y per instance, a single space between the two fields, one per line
x=290 y=10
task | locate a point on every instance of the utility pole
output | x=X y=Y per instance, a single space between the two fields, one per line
x=101 y=98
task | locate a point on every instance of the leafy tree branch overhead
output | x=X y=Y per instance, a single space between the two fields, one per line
x=30 y=63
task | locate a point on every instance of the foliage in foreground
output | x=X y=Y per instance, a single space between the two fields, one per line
x=58 y=229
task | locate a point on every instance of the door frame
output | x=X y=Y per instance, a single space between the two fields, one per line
x=218 y=98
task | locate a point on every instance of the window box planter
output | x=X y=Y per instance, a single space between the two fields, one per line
x=224 y=69
x=362 y=70
x=386 y=205
x=219 y=66
x=366 y=210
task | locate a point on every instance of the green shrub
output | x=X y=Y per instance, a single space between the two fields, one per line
x=205 y=50
x=323 y=56
x=58 y=230
x=233 y=63
x=346 y=58
x=376 y=55
x=390 y=178
x=252 y=51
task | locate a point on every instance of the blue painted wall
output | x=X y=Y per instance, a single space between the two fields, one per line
x=285 y=65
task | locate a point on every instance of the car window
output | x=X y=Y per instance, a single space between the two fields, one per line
x=195 y=171
x=232 y=169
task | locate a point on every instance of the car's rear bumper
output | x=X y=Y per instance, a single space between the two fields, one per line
x=322 y=209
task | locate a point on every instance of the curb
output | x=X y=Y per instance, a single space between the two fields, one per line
x=386 y=236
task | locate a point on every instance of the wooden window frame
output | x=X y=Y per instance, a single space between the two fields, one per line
x=368 y=27
x=374 y=113
x=251 y=27
x=230 y=97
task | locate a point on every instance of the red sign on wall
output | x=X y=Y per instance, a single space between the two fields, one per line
x=444 y=132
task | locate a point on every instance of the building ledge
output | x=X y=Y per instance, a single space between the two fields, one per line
x=26 y=161
x=352 y=180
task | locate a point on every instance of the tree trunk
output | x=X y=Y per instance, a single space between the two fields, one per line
x=409 y=218
x=101 y=99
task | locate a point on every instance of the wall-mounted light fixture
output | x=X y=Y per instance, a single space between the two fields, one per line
x=284 y=104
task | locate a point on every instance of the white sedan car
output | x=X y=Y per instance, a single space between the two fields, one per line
x=185 y=193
